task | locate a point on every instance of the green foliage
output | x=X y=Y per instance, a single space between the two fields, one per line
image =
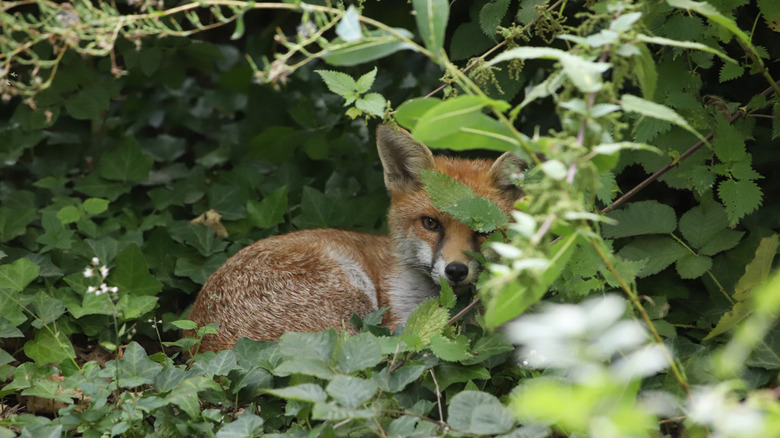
x=136 y=159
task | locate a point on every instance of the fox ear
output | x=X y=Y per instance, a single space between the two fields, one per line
x=402 y=158
x=502 y=173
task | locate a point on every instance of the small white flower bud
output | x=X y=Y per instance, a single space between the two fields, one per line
x=95 y=261
x=88 y=272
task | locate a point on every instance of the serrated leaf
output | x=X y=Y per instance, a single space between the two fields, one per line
x=721 y=241
x=351 y=392
x=348 y=28
x=431 y=17
x=657 y=111
x=639 y=218
x=340 y=83
x=713 y=14
x=730 y=71
x=451 y=350
x=308 y=345
x=447 y=295
x=728 y=142
x=490 y=16
x=372 y=103
x=478 y=413
x=425 y=322
x=398 y=379
x=739 y=198
x=365 y=82
x=699 y=224
x=693 y=266
x=659 y=252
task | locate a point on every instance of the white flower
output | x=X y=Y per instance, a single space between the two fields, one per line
x=104 y=271
x=88 y=272
x=91 y=289
x=95 y=261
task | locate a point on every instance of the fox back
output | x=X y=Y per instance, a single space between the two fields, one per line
x=311 y=280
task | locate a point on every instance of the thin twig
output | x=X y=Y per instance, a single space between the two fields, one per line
x=465 y=310
x=438 y=400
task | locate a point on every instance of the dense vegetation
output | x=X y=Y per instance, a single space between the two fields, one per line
x=144 y=142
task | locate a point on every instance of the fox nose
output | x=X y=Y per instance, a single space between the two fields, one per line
x=456 y=271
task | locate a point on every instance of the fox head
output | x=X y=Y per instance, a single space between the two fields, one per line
x=426 y=238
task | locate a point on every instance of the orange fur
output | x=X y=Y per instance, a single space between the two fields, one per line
x=311 y=280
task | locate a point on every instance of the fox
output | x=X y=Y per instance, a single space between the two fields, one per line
x=311 y=280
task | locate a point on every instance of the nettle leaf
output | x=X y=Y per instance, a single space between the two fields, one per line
x=340 y=83
x=398 y=379
x=729 y=142
x=770 y=10
x=451 y=350
x=372 y=103
x=699 y=224
x=490 y=16
x=432 y=17
x=730 y=71
x=638 y=218
x=479 y=413
x=658 y=252
x=425 y=322
x=358 y=353
x=308 y=345
x=713 y=14
x=365 y=82
x=647 y=108
x=462 y=203
x=739 y=198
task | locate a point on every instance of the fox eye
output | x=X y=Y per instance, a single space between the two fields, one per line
x=431 y=224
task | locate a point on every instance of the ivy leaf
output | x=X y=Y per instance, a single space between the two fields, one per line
x=350 y=391
x=246 y=425
x=638 y=218
x=131 y=275
x=739 y=198
x=126 y=163
x=490 y=16
x=17 y=275
x=432 y=17
x=48 y=347
x=134 y=369
x=479 y=413
x=270 y=210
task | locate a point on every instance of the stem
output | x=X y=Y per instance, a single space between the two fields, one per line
x=465 y=310
x=638 y=305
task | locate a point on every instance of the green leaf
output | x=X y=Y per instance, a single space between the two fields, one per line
x=13 y=222
x=351 y=392
x=721 y=241
x=413 y=109
x=447 y=295
x=451 y=350
x=69 y=214
x=133 y=307
x=48 y=347
x=317 y=210
x=340 y=83
x=425 y=322
x=448 y=373
x=134 y=369
x=307 y=392
x=431 y=17
x=220 y=365
x=488 y=346
x=348 y=28
x=185 y=396
x=770 y=10
x=126 y=162
x=490 y=17
x=584 y=74
x=56 y=236
x=247 y=425
x=728 y=142
x=308 y=345
x=639 y=218
x=479 y=413
x=712 y=13
x=757 y=271
x=685 y=45
x=17 y=275
x=659 y=252
x=739 y=198
x=372 y=103
x=365 y=82
x=730 y=71
x=95 y=205
x=661 y=112
x=374 y=45
x=270 y=210
x=463 y=114
x=693 y=266
x=358 y=352
x=646 y=72
x=395 y=381
x=699 y=224
x=131 y=275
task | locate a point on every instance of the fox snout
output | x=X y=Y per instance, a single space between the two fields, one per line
x=456 y=272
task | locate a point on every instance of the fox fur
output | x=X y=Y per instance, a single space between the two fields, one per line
x=310 y=280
